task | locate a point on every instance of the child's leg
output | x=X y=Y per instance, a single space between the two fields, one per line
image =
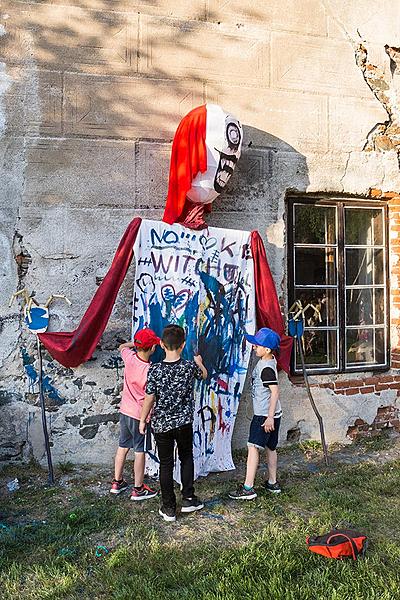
x=120 y=459
x=253 y=457
x=138 y=468
x=165 y=445
x=184 y=440
x=272 y=459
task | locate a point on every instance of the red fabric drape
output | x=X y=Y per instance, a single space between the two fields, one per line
x=74 y=348
x=268 y=311
x=188 y=158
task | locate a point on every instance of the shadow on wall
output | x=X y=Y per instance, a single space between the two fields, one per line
x=102 y=98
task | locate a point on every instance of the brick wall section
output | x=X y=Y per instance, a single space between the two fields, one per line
x=369 y=385
x=386 y=417
x=393 y=201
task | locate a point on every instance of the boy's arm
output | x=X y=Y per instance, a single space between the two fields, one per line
x=126 y=345
x=199 y=362
x=148 y=403
x=269 y=421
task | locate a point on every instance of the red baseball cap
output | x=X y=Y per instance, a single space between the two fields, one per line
x=145 y=339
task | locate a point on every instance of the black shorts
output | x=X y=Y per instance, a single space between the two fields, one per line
x=130 y=436
x=259 y=438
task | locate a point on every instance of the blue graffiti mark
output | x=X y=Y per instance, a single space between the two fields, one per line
x=33 y=377
x=29 y=370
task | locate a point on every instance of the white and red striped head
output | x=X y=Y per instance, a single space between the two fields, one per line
x=224 y=137
x=205 y=150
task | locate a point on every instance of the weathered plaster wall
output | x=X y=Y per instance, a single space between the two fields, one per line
x=91 y=93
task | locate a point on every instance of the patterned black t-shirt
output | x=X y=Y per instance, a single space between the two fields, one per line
x=172 y=384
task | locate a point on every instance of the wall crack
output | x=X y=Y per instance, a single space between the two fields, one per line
x=383 y=137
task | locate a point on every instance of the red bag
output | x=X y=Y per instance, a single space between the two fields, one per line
x=339 y=543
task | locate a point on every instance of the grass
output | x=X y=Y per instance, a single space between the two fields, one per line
x=70 y=542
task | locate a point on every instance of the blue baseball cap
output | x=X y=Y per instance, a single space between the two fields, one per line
x=265 y=337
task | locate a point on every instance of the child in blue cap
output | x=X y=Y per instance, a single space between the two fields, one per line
x=264 y=428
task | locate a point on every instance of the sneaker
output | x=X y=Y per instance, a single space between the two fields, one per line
x=274 y=488
x=143 y=493
x=242 y=494
x=168 y=514
x=191 y=504
x=118 y=486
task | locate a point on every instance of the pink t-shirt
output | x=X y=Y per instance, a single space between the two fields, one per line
x=135 y=377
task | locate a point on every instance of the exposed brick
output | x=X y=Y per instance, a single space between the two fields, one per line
x=325 y=385
x=375 y=193
x=370 y=381
x=385 y=378
x=394 y=386
x=347 y=384
x=352 y=391
x=382 y=386
x=369 y=389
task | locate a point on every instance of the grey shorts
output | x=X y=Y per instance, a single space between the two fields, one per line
x=130 y=436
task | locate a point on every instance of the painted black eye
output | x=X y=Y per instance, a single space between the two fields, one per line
x=233 y=135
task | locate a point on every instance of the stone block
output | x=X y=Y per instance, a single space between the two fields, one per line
x=81 y=173
x=351 y=120
x=171 y=48
x=32 y=102
x=117 y=107
x=176 y=8
x=285 y=15
x=60 y=37
x=366 y=19
x=317 y=65
x=277 y=119
x=152 y=175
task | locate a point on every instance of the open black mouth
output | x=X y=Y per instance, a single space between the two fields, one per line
x=225 y=169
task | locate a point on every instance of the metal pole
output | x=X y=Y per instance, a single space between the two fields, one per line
x=320 y=421
x=44 y=422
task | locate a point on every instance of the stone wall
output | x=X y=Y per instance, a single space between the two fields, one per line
x=91 y=93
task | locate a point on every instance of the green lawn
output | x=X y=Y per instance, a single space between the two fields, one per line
x=253 y=550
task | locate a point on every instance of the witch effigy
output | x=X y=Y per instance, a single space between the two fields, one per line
x=214 y=282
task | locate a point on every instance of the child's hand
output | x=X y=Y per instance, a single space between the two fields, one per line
x=268 y=424
x=198 y=360
x=142 y=427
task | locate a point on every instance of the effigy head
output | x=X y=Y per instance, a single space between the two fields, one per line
x=205 y=150
x=223 y=141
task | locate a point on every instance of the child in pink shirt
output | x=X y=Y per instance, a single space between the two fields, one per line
x=135 y=376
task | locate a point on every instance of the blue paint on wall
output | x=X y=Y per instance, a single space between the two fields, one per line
x=33 y=378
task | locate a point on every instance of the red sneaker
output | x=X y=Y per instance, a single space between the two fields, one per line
x=118 y=486
x=143 y=493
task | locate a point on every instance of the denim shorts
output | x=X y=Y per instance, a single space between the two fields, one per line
x=130 y=436
x=259 y=438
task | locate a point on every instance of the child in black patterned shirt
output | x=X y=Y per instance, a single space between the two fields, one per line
x=169 y=392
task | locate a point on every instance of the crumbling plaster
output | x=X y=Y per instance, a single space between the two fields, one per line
x=89 y=100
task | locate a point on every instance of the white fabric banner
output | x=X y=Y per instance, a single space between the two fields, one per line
x=203 y=281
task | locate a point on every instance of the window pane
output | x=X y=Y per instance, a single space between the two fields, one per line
x=380 y=306
x=378 y=267
x=365 y=346
x=364 y=266
x=359 y=266
x=363 y=226
x=319 y=349
x=315 y=266
x=314 y=224
x=324 y=300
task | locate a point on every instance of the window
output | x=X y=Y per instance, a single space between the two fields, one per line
x=338 y=263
